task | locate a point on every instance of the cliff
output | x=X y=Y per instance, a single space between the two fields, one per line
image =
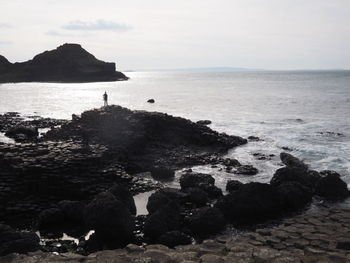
x=67 y=63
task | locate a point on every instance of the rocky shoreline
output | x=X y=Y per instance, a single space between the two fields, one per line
x=82 y=174
x=323 y=236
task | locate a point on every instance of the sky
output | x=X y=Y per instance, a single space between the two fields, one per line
x=162 y=34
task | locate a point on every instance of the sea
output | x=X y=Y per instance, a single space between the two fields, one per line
x=305 y=113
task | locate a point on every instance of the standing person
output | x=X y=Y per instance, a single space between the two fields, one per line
x=105 y=99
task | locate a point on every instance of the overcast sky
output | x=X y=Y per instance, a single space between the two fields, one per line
x=162 y=34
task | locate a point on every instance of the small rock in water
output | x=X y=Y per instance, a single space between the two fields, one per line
x=254 y=138
x=151 y=101
x=247 y=170
x=204 y=122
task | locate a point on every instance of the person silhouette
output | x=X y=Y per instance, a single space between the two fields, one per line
x=105 y=99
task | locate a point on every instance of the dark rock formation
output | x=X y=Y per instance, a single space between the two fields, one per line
x=188 y=180
x=23 y=133
x=196 y=196
x=291 y=161
x=67 y=63
x=251 y=203
x=331 y=187
x=293 y=196
x=306 y=178
x=124 y=195
x=73 y=211
x=50 y=218
x=145 y=140
x=163 y=197
x=151 y=101
x=162 y=173
x=110 y=219
x=233 y=185
x=206 y=221
x=246 y=170
x=12 y=241
x=165 y=219
x=174 y=238
x=202 y=181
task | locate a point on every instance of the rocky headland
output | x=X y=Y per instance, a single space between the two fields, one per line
x=82 y=174
x=67 y=63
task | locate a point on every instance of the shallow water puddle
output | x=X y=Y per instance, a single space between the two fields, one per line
x=141 y=202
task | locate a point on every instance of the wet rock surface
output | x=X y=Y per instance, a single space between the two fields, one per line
x=322 y=236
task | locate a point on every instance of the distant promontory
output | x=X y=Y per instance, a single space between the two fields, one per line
x=67 y=63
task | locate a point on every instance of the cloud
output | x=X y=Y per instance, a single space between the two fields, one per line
x=57 y=34
x=5 y=25
x=5 y=43
x=98 y=25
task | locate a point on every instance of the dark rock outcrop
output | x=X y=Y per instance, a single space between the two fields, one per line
x=162 y=173
x=12 y=241
x=22 y=133
x=291 y=161
x=246 y=170
x=233 y=185
x=196 y=196
x=251 y=203
x=293 y=196
x=163 y=197
x=202 y=181
x=164 y=220
x=67 y=63
x=291 y=174
x=331 y=187
x=145 y=140
x=110 y=219
x=206 y=221
x=151 y=101
x=174 y=238
x=50 y=218
x=124 y=195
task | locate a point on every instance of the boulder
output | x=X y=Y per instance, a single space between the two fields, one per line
x=291 y=161
x=110 y=219
x=197 y=196
x=174 y=238
x=331 y=187
x=231 y=162
x=246 y=170
x=195 y=180
x=28 y=131
x=206 y=221
x=12 y=241
x=162 y=173
x=163 y=196
x=151 y=101
x=165 y=219
x=213 y=191
x=202 y=181
x=233 y=185
x=252 y=203
x=124 y=195
x=72 y=210
x=51 y=218
x=294 y=196
x=307 y=178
